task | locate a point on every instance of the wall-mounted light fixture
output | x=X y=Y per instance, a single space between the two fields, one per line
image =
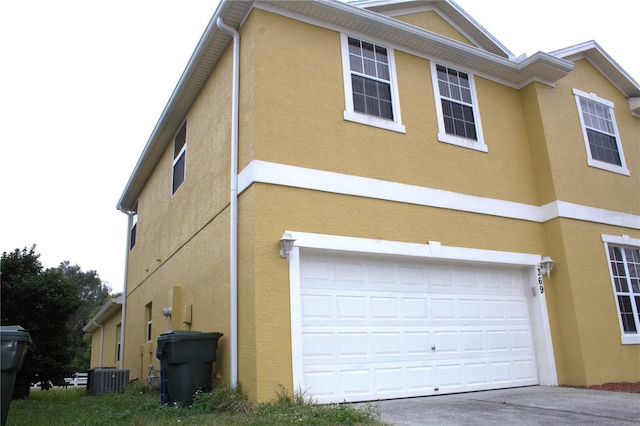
x=546 y=266
x=286 y=244
x=166 y=312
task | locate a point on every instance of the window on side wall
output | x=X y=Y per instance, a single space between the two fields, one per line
x=133 y=232
x=600 y=133
x=179 y=158
x=149 y=313
x=456 y=107
x=624 y=265
x=371 y=93
x=118 y=335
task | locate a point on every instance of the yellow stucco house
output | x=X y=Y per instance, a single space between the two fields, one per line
x=362 y=197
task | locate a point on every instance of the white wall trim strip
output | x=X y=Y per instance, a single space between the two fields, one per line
x=429 y=250
x=340 y=183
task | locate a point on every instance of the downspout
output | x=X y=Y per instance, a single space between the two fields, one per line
x=101 y=339
x=124 y=290
x=233 y=232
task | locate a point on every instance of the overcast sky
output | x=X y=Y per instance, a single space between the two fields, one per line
x=83 y=83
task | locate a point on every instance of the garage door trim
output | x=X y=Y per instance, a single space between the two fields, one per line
x=432 y=251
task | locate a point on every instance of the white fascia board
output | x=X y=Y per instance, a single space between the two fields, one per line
x=338 y=183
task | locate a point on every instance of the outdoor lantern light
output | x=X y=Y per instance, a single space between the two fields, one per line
x=546 y=266
x=286 y=244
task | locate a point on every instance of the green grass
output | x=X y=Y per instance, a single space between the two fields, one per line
x=138 y=406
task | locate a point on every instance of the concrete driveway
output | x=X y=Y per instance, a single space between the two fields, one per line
x=534 y=405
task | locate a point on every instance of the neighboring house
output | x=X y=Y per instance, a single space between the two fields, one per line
x=105 y=329
x=423 y=172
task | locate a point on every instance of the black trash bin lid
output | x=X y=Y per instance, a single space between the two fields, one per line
x=14 y=332
x=174 y=336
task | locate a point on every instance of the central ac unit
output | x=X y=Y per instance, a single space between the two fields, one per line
x=104 y=380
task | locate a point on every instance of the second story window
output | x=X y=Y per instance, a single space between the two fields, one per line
x=179 y=158
x=458 y=118
x=134 y=227
x=600 y=133
x=370 y=89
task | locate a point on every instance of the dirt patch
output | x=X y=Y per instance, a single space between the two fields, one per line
x=631 y=387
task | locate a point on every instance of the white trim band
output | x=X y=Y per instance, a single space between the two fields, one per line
x=319 y=180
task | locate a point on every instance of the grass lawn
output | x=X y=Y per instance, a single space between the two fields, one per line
x=138 y=406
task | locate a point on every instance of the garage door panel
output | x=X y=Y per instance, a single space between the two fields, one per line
x=374 y=329
x=317 y=306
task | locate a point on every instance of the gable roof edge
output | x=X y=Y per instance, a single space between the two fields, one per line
x=600 y=59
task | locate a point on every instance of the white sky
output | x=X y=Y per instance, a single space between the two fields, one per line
x=82 y=84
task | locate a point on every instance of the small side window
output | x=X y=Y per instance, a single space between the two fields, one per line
x=134 y=227
x=179 y=158
x=149 y=313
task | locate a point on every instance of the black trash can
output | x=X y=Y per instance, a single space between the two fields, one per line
x=186 y=359
x=14 y=342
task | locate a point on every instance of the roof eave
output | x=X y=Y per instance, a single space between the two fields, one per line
x=111 y=306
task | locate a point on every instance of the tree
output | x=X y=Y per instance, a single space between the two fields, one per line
x=93 y=294
x=42 y=302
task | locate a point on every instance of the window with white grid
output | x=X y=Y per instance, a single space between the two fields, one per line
x=370 y=88
x=624 y=264
x=600 y=132
x=456 y=106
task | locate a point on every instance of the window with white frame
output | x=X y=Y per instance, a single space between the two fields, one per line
x=624 y=265
x=600 y=132
x=149 y=313
x=456 y=107
x=179 y=158
x=370 y=86
x=133 y=231
x=118 y=336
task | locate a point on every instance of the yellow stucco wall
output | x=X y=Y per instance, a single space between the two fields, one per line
x=310 y=131
x=108 y=336
x=433 y=22
x=279 y=208
x=603 y=357
x=573 y=179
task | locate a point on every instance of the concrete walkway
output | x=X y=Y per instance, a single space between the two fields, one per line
x=534 y=405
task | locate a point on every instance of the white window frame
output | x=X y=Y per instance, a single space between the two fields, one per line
x=445 y=137
x=628 y=242
x=149 y=314
x=622 y=169
x=350 y=114
x=181 y=155
x=133 y=231
x=118 y=343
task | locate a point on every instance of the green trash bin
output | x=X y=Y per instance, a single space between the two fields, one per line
x=186 y=359
x=14 y=341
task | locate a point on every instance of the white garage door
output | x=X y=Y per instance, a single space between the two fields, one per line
x=376 y=327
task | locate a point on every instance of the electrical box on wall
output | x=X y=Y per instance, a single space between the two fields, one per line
x=186 y=314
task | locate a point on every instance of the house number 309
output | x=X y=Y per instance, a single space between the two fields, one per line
x=540 y=284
